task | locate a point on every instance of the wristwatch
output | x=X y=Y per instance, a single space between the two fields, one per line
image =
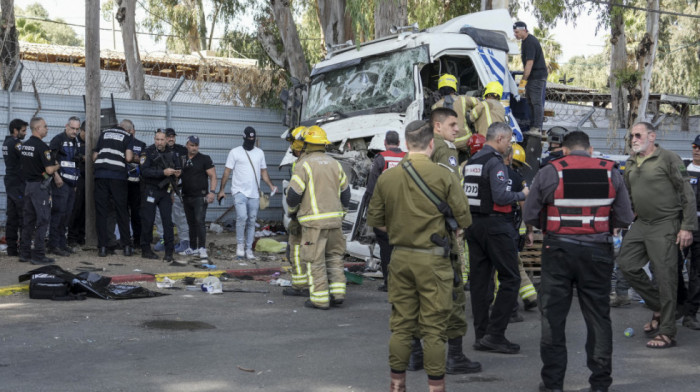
x=212 y=191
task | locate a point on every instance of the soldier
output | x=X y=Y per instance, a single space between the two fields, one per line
x=447 y=85
x=577 y=201
x=319 y=195
x=134 y=181
x=490 y=110
x=555 y=138
x=491 y=241
x=65 y=147
x=160 y=169
x=421 y=277
x=110 y=157
x=37 y=169
x=14 y=184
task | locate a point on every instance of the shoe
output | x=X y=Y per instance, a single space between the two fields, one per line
x=172 y=262
x=398 y=382
x=189 y=252
x=68 y=249
x=159 y=246
x=23 y=259
x=12 y=252
x=58 y=252
x=240 y=252
x=543 y=388
x=128 y=251
x=42 y=261
x=436 y=385
x=249 y=254
x=500 y=344
x=415 y=361
x=649 y=329
x=617 y=301
x=516 y=317
x=202 y=253
x=102 y=252
x=312 y=305
x=457 y=362
x=336 y=302
x=529 y=304
x=295 y=292
x=661 y=341
x=691 y=322
x=534 y=131
x=149 y=254
x=383 y=288
x=182 y=246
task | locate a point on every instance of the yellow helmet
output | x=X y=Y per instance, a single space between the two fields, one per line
x=493 y=88
x=315 y=135
x=447 y=80
x=295 y=137
x=519 y=154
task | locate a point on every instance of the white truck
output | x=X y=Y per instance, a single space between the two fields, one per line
x=358 y=93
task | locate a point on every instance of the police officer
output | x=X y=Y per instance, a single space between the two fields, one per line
x=14 y=183
x=420 y=272
x=159 y=170
x=133 y=197
x=110 y=156
x=179 y=219
x=555 y=138
x=319 y=195
x=693 y=296
x=484 y=113
x=76 y=223
x=577 y=200
x=390 y=157
x=491 y=240
x=65 y=147
x=38 y=168
x=447 y=86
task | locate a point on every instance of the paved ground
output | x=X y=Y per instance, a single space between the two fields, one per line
x=247 y=341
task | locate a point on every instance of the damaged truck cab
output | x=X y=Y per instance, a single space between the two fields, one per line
x=358 y=93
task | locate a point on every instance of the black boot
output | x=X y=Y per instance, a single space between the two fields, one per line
x=415 y=362
x=457 y=362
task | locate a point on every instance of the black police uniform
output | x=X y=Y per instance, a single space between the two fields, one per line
x=76 y=223
x=491 y=245
x=36 y=156
x=157 y=194
x=14 y=187
x=110 y=185
x=135 y=191
x=195 y=188
x=67 y=154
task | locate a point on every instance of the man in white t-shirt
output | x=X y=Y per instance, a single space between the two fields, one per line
x=246 y=166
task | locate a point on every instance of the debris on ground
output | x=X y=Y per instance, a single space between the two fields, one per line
x=268 y=245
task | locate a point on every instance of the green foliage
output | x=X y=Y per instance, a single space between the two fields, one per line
x=31 y=31
x=43 y=32
x=628 y=78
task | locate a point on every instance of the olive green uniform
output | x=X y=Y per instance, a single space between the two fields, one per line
x=664 y=201
x=420 y=278
x=445 y=154
x=459 y=105
x=484 y=113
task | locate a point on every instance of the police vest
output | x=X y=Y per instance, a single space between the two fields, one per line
x=134 y=169
x=391 y=158
x=583 y=197
x=477 y=186
x=112 y=153
x=694 y=172
x=69 y=169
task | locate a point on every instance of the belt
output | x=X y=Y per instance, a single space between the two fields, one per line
x=582 y=243
x=431 y=251
x=477 y=215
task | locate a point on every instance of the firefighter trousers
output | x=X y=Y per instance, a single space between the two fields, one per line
x=323 y=251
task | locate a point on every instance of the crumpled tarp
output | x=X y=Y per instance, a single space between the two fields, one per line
x=92 y=284
x=270 y=246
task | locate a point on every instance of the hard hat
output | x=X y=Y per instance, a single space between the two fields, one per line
x=447 y=80
x=493 y=88
x=295 y=137
x=476 y=142
x=519 y=154
x=556 y=134
x=315 y=135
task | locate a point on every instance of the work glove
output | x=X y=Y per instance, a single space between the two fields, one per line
x=294 y=227
x=521 y=87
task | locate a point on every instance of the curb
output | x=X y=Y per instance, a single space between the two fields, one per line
x=240 y=273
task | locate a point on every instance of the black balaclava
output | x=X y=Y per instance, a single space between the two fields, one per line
x=249 y=138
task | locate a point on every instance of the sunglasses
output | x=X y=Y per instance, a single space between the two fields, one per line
x=637 y=135
x=695 y=147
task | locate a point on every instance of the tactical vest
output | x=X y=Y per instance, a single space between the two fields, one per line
x=134 y=169
x=69 y=169
x=477 y=186
x=391 y=158
x=694 y=176
x=112 y=155
x=583 y=197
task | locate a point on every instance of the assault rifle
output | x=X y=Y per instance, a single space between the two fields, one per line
x=169 y=180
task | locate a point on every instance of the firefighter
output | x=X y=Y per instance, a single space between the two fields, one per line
x=583 y=198
x=447 y=86
x=319 y=196
x=484 y=113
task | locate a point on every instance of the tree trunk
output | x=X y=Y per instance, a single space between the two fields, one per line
x=202 y=26
x=126 y=15
x=9 y=52
x=92 y=109
x=645 y=54
x=332 y=19
x=296 y=61
x=618 y=63
x=389 y=13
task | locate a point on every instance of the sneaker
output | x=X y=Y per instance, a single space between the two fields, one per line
x=42 y=261
x=249 y=254
x=189 y=252
x=240 y=252
x=202 y=253
x=159 y=246
x=182 y=246
x=617 y=301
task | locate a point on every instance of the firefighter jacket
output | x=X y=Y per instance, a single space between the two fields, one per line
x=486 y=182
x=458 y=103
x=484 y=113
x=318 y=192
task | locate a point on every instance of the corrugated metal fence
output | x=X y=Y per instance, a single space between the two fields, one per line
x=220 y=128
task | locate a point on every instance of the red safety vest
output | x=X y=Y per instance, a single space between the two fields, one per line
x=583 y=197
x=391 y=158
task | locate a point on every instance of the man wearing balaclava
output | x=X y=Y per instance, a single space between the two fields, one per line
x=246 y=166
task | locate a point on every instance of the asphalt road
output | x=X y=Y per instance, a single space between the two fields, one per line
x=249 y=342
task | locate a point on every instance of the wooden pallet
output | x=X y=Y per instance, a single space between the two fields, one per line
x=531 y=258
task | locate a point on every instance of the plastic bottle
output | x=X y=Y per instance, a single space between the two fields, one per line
x=617 y=244
x=629 y=332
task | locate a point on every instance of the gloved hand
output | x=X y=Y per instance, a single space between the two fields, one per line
x=521 y=87
x=294 y=227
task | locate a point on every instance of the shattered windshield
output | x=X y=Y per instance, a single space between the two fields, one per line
x=375 y=82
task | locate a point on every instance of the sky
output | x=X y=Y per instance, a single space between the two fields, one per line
x=575 y=40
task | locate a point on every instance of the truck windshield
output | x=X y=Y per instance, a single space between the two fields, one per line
x=375 y=82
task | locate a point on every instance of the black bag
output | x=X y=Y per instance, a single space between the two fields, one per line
x=47 y=286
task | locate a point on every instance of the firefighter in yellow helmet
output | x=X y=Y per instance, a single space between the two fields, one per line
x=300 y=277
x=447 y=86
x=484 y=113
x=318 y=196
